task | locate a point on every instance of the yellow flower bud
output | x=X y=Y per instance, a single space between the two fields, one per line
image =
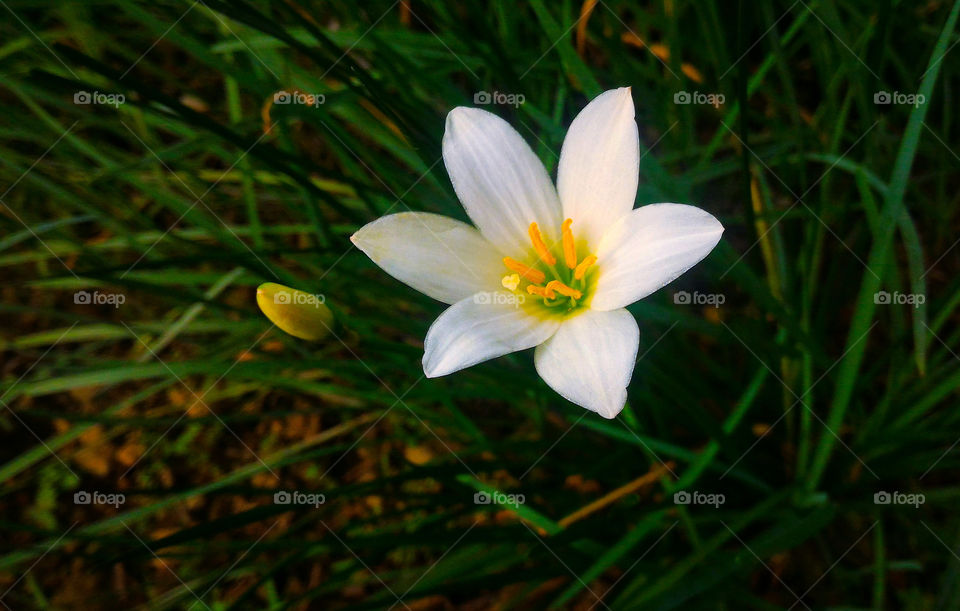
x=298 y=313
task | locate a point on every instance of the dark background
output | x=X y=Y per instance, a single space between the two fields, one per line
x=820 y=382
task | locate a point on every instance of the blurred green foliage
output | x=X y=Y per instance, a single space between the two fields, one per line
x=150 y=184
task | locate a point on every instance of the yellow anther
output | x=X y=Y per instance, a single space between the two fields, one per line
x=533 y=275
x=510 y=281
x=540 y=291
x=539 y=246
x=563 y=289
x=582 y=268
x=569 y=251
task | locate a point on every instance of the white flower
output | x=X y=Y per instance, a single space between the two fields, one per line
x=544 y=267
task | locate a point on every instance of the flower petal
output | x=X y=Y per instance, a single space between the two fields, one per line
x=439 y=256
x=648 y=249
x=600 y=164
x=479 y=328
x=590 y=360
x=501 y=183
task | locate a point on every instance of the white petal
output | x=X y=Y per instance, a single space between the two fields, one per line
x=439 y=256
x=590 y=360
x=479 y=328
x=649 y=248
x=501 y=183
x=600 y=165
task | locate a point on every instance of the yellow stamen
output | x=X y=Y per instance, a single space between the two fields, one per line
x=510 y=281
x=533 y=275
x=563 y=289
x=569 y=252
x=539 y=246
x=539 y=291
x=582 y=268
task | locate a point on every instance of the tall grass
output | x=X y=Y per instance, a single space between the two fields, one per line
x=146 y=166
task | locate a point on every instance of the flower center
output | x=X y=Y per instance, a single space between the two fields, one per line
x=557 y=285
